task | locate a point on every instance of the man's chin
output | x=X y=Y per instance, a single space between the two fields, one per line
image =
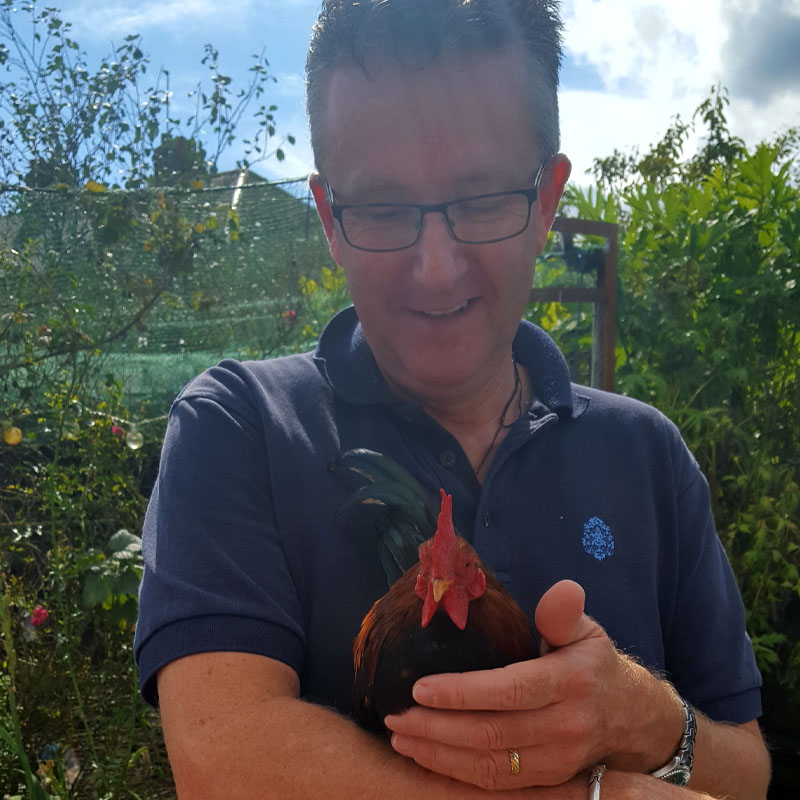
x=440 y=374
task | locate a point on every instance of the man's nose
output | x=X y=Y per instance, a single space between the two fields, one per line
x=439 y=258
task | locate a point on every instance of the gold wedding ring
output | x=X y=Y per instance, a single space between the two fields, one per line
x=513 y=757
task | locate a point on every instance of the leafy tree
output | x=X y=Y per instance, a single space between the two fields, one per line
x=664 y=163
x=64 y=124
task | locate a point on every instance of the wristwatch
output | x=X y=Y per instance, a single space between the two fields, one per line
x=679 y=769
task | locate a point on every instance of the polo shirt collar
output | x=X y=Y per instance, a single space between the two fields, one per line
x=346 y=360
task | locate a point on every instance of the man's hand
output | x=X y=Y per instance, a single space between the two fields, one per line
x=579 y=703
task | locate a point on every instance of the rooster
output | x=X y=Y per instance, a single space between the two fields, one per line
x=445 y=613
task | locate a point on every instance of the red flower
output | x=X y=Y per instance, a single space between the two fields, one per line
x=117 y=431
x=289 y=316
x=39 y=616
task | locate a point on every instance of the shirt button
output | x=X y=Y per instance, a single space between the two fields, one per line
x=447 y=458
x=487 y=520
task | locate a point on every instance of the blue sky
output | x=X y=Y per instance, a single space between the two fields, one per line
x=631 y=65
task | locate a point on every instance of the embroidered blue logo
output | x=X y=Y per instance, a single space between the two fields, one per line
x=597 y=539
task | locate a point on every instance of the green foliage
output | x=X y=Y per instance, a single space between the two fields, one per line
x=320 y=299
x=709 y=329
x=84 y=266
x=69 y=492
x=12 y=736
x=112 y=578
x=85 y=270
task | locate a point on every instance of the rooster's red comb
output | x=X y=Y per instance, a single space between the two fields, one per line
x=445 y=537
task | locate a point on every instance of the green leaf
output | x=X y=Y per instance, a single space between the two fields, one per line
x=127 y=584
x=9 y=739
x=124 y=540
x=96 y=589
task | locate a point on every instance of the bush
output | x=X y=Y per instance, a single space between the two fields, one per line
x=71 y=491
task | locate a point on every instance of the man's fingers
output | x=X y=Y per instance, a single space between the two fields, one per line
x=492 y=730
x=480 y=730
x=489 y=769
x=519 y=686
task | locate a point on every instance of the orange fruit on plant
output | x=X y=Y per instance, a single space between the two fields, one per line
x=12 y=435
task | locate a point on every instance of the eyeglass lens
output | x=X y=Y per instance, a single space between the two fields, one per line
x=477 y=220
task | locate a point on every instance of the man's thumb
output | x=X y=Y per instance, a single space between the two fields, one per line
x=559 y=616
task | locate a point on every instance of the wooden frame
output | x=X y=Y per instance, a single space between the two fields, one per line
x=603 y=296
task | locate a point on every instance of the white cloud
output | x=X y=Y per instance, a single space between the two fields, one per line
x=659 y=58
x=657 y=49
x=594 y=124
x=762 y=54
x=755 y=122
x=116 y=19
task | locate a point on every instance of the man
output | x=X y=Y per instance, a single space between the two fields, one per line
x=435 y=130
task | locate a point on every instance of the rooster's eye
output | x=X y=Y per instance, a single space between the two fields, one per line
x=466 y=566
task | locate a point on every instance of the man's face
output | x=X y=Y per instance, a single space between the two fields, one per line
x=441 y=315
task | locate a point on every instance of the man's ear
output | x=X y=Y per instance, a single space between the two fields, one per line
x=551 y=188
x=325 y=214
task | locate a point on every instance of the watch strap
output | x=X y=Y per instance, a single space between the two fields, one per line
x=679 y=769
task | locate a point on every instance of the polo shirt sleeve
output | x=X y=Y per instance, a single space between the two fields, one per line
x=709 y=656
x=215 y=573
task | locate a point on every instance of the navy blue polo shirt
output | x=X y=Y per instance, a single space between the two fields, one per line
x=246 y=548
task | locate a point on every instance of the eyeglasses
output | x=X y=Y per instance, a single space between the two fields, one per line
x=482 y=219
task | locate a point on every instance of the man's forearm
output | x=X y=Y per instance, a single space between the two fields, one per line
x=235 y=728
x=730 y=760
x=292 y=749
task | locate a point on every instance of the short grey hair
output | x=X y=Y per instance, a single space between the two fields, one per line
x=414 y=34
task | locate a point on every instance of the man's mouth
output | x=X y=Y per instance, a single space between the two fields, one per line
x=447 y=312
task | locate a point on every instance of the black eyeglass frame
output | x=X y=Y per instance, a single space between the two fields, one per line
x=531 y=194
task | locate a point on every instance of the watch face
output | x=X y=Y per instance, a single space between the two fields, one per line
x=680 y=777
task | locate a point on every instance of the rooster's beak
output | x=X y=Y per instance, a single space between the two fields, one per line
x=440 y=586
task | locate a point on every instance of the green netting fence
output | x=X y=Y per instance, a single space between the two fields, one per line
x=153 y=286
x=148 y=288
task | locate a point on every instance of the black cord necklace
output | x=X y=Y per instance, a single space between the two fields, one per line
x=502 y=425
